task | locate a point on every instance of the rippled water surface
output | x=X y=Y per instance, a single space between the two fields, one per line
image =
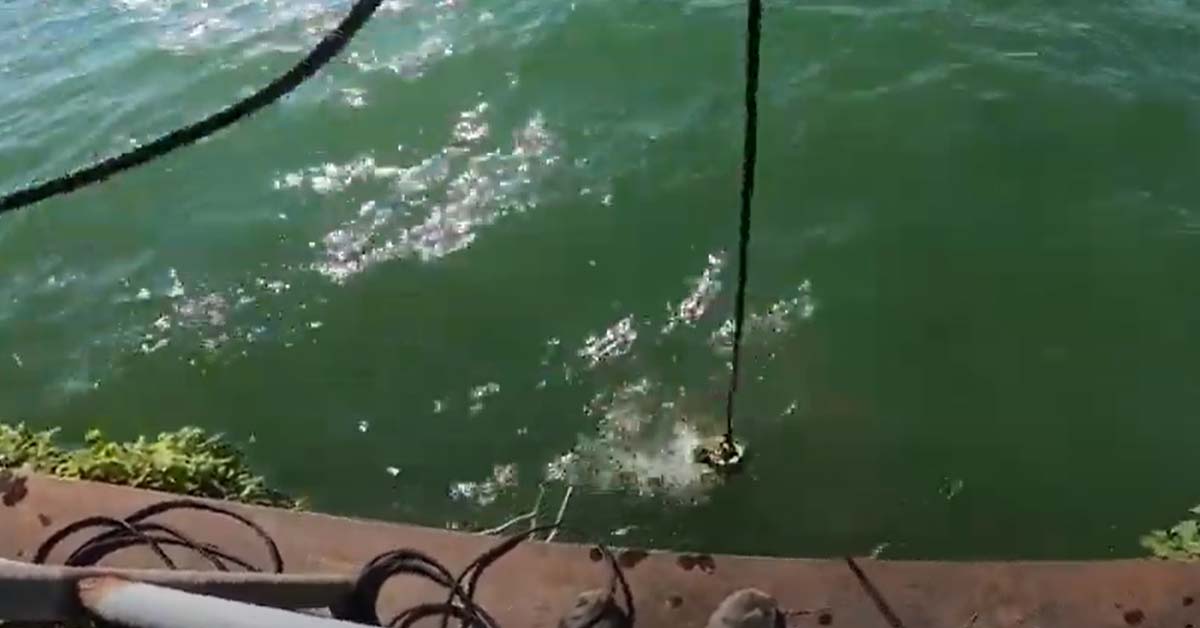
x=491 y=248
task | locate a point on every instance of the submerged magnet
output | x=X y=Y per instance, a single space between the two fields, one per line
x=721 y=454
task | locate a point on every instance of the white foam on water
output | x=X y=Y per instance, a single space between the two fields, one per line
x=777 y=318
x=643 y=443
x=616 y=341
x=705 y=289
x=486 y=491
x=218 y=322
x=435 y=207
x=409 y=64
x=331 y=177
x=354 y=97
x=478 y=394
x=286 y=26
x=184 y=27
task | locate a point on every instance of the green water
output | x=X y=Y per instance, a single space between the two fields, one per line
x=973 y=265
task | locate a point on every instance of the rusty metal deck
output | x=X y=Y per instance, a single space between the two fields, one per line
x=531 y=587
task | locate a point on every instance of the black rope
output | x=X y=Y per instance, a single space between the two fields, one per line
x=324 y=52
x=881 y=603
x=135 y=530
x=754 y=14
x=360 y=606
x=623 y=615
x=95 y=549
x=460 y=604
x=136 y=534
x=615 y=608
x=94 y=552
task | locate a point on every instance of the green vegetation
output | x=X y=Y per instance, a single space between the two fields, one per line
x=188 y=461
x=1180 y=542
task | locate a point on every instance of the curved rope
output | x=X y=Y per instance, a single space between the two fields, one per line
x=191 y=504
x=365 y=596
x=329 y=47
x=624 y=615
x=135 y=530
x=95 y=549
x=43 y=550
x=460 y=603
x=360 y=606
x=95 y=552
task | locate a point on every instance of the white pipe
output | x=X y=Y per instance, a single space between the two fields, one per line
x=140 y=605
x=43 y=593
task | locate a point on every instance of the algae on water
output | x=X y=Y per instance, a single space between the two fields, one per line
x=1180 y=542
x=188 y=461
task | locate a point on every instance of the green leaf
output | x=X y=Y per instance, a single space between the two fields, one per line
x=188 y=461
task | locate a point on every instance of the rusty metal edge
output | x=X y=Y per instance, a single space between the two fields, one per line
x=536 y=583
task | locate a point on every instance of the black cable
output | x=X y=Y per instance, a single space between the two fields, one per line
x=94 y=552
x=460 y=604
x=191 y=504
x=474 y=571
x=43 y=551
x=600 y=607
x=135 y=530
x=360 y=606
x=324 y=52
x=881 y=603
x=626 y=615
x=96 y=548
x=754 y=14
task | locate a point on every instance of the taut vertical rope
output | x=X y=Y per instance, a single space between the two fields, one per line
x=754 y=13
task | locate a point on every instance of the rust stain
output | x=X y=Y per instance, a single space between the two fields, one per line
x=703 y=562
x=12 y=488
x=678 y=594
x=631 y=557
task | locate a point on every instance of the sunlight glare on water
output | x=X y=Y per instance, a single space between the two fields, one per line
x=491 y=248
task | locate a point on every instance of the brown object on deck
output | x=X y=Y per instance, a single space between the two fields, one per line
x=538 y=582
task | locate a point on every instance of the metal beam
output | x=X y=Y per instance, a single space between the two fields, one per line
x=140 y=605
